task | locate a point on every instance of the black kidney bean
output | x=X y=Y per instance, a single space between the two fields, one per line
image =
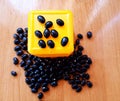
x=48 y=24
x=64 y=41
x=42 y=43
x=50 y=43
x=15 y=60
x=54 y=33
x=13 y=73
x=38 y=34
x=20 y=30
x=89 y=34
x=41 y=18
x=46 y=33
x=60 y=22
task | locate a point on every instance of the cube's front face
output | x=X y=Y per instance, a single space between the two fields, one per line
x=63 y=31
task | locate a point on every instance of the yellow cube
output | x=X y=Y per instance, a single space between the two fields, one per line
x=63 y=31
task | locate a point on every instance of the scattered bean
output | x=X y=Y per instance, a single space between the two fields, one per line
x=89 y=34
x=13 y=73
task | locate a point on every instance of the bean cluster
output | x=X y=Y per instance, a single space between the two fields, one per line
x=42 y=72
x=47 y=32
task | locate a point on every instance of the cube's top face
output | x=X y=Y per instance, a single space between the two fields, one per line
x=63 y=31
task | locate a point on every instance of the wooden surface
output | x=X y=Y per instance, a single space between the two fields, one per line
x=102 y=17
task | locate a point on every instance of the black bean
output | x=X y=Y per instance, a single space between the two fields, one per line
x=20 y=30
x=41 y=18
x=83 y=82
x=54 y=84
x=15 y=60
x=66 y=77
x=34 y=66
x=28 y=81
x=32 y=85
x=19 y=53
x=31 y=57
x=27 y=74
x=46 y=33
x=45 y=89
x=82 y=62
x=54 y=33
x=83 y=70
x=44 y=75
x=87 y=65
x=89 y=34
x=47 y=80
x=33 y=90
x=24 y=47
x=25 y=34
x=42 y=43
x=24 y=39
x=50 y=43
x=40 y=95
x=36 y=71
x=87 y=76
x=37 y=85
x=40 y=80
x=77 y=42
x=89 y=61
x=16 y=41
x=22 y=63
x=13 y=73
x=44 y=84
x=33 y=80
x=74 y=86
x=38 y=34
x=29 y=62
x=64 y=41
x=35 y=58
x=26 y=30
x=84 y=57
x=82 y=75
x=48 y=24
x=36 y=76
x=21 y=36
x=30 y=70
x=78 y=89
x=21 y=44
x=80 y=48
x=15 y=36
x=71 y=81
x=60 y=22
x=17 y=48
x=31 y=74
x=80 y=36
x=24 y=56
x=89 y=84
x=78 y=81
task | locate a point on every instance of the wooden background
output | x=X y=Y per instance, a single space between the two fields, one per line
x=102 y=17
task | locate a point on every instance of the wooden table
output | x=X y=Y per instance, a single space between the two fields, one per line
x=102 y=17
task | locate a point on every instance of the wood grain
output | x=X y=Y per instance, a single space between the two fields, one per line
x=102 y=17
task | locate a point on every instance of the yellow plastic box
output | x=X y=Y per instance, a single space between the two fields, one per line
x=66 y=30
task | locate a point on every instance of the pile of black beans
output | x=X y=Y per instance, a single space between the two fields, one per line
x=41 y=72
x=47 y=32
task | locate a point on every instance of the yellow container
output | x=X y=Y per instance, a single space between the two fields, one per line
x=66 y=30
